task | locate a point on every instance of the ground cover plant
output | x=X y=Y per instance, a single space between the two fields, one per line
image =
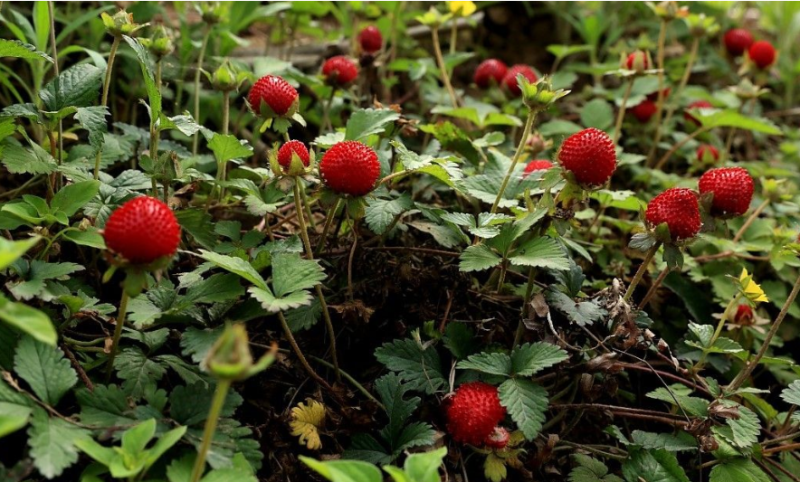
x=401 y=241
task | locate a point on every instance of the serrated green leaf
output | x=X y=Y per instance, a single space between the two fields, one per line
x=424 y=467
x=93 y=119
x=380 y=213
x=421 y=369
x=583 y=313
x=366 y=122
x=91 y=237
x=236 y=266
x=738 y=470
x=28 y=320
x=478 y=257
x=526 y=402
x=666 y=441
x=19 y=160
x=530 y=359
x=228 y=147
x=791 y=394
x=590 y=470
x=275 y=304
x=542 y=252
x=490 y=363
x=20 y=50
x=291 y=273
x=653 y=466
x=731 y=118
x=597 y=113
x=344 y=470
x=74 y=196
x=44 y=367
x=52 y=443
x=77 y=86
x=196 y=342
x=138 y=371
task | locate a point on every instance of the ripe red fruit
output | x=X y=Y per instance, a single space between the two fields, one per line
x=744 y=315
x=286 y=150
x=637 y=61
x=370 y=39
x=350 y=167
x=654 y=95
x=498 y=439
x=732 y=188
x=698 y=104
x=510 y=79
x=473 y=413
x=707 y=149
x=590 y=156
x=488 y=70
x=644 y=111
x=737 y=40
x=339 y=70
x=537 y=165
x=679 y=209
x=142 y=230
x=275 y=92
x=762 y=53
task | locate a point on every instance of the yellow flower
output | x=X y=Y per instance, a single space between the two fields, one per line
x=462 y=9
x=751 y=289
x=306 y=422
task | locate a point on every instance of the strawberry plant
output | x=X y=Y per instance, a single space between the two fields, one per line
x=354 y=241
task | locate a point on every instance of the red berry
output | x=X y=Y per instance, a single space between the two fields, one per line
x=698 y=104
x=762 y=53
x=644 y=111
x=370 y=39
x=490 y=70
x=498 y=439
x=744 y=315
x=732 y=188
x=510 y=79
x=537 y=165
x=707 y=149
x=637 y=61
x=679 y=209
x=286 y=150
x=273 y=91
x=654 y=95
x=590 y=156
x=339 y=70
x=473 y=413
x=142 y=230
x=737 y=40
x=350 y=167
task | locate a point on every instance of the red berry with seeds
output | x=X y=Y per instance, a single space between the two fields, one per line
x=679 y=209
x=744 y=315
x=370 y=39
x=732 y=188
x=490 y=70
x=698 y=104
x=537 y=165
x=276 y=93
x=590 y=156
x=762 y=53
x=473 y=413
x=339 y=71
x=350 y=167
x=637 y=62
x=510 y=79
x=498 y=439
x=644 y=111
x=737 y=41
x=142 y=230
x=707 y=152
x=286 y=150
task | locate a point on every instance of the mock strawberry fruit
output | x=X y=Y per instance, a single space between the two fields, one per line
x=473 y=412
x=498 y=439
x=142 y=230
x=350 y=167
x=762 y=53
x=698 y=104
x=510 y=79
x=590 y=156
x=637 y=61
x=744 y=315
x=644 y=111
x=732 y=188
x=654 y=95
x=274 y=92
x=286 y=150
x=488 y=71
x=370 y=39
x=339 y=71
x=537 y=165
x=707 y=152
x=737 y=41
x=679 y=209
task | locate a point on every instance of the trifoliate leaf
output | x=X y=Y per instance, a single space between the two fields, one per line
x=45 y=368
x=52 y=443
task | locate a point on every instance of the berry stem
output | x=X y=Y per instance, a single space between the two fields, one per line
x=329 y=217
x=51 y=12
x=121 y=314
x=652 y=291
x=726 y=315
x=453 y=35
x=662 y=40
x=750 y=220
x=155 y=135
x=296 y=348
x=326 y=315
x=200 y=57
x=106 y=86
x=350 y=262
x=678 y=145
x=220 y=394
x=222 y=169
x=642 y=269
x=437 y=49
x=525 y=133
x=525 y=308
x=622 y=107
x=326 y=111
x=748 y=369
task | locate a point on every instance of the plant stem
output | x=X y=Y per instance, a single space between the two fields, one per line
x=51 y=12
x=104 y=102
x=662 y=40
x=525 y=308
x=750 y=220
x=200 y=57
x=155 y=134
x=652 y=291
x=621 y=113
x=121 y=313
x=437 y=49
x=679 y=144
x=642 y=269
x=220 y=394
x=453 y=35
x=326 y=111
x=350 y=262
x=326 y=315
x=296 y=348
x=222 y=169
x=515 y=160
x=329 y=217
x=718 y=331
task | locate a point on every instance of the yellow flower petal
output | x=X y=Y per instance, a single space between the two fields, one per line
x=306 y=422
x=462 y=9
x=751 y=289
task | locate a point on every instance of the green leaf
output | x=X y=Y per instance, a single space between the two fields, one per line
x=91 y=237
x=19 y=160
x=491 y=363
x=189 y=404
x=275 y=304
x=366 y=122
x=666 y=441
x=228 y=475
x=424 y=467
x=196 y=342
x=583 y=313
x=590 y=470
x=597 y=113
x=44 y=367
x=542 y=252
x=73 y=197
x=478 y=257
x=78 y=86
x=93 y=119
x=653 y=466
x=745 y=429
x=380 y=213
x=199 y=225
x=228 y=147
x=236 y=266
x=304 y=317
x=106 y=406
x=420 y=368
x=527 y=403
x=392 y=391
x=52 y=443
x=28 y=320
x=10 y=251
x=731 y=118
x=530 y=359
x=738 y=470
x=20 y=50
x=791 y=394
x=13 y=417
x=291 y=273
x=138 y=372
x=693 y=406
x=344 y=470
x=146 y=64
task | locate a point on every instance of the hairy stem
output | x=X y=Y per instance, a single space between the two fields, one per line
x=641 y=271
x=296 y=348
x=437 y=49
x=750 y=220
x=520 y=147
x=662 y=40
x=679 y=144
x=198 y=70
x=622 y=107
x=525 y=308
x=329 y=218
x=217 y=403
x=652 y=291
x=106 y=86
x=123 y=308
x=155 y=134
